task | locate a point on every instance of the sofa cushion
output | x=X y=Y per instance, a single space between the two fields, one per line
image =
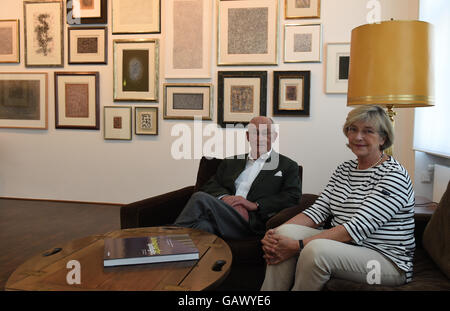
x=426 y=277
x=206 y=169
x=436 y=237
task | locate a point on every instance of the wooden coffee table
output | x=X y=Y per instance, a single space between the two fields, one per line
x=49 y=273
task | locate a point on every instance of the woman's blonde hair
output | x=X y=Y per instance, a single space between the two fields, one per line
x=375 y=115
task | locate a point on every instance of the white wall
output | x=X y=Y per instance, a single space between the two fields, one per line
x=80 y=165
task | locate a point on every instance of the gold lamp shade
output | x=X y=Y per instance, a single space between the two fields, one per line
x=391 y=65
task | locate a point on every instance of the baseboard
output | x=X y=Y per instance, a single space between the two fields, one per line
x=63 y=201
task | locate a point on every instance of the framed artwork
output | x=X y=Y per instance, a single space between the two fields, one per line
x=137 y=16
x=87 y=12
x=338 y=62
x=146 y=120
x=136 y=70
x=9 y=41
x=187 y=101
x=247 y=32
x=242 y=95
x=88 y=45
x=189 y=36
x=44 y=39
x=117 y=122
x=24 y=100
x=302 y=43
x=77 y=104
x=295 y=9
x=291 y=92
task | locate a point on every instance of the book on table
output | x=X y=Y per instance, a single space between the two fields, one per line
x=149 y=249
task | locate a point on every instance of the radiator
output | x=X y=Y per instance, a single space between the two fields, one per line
x=440 y=182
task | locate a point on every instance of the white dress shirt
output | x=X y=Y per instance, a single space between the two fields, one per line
x=248 y=175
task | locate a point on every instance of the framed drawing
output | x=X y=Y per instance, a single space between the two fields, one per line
x=137 y=16
x=24 y=100
x=136 y=70
x=242 y=95
x=302 y=43
x=87 y=12
x=146 y=120
x=187 y=101
x=44 y=44
x=88 y=45
x=291 y=92
x=338 y=62
x=9 y=41
x=189 y=36
x=117 y=122
x=295 y=9
x=77 y=103
x=247 y=32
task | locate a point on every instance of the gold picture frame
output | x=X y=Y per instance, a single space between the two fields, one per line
x=117 y=122
x=298 y=9
x=44 y=33
x=188 y=101
x=136 y=69
x=9 y=41
x=24 y=100
x=146 y=120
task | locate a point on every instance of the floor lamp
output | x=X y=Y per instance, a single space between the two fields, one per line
x=391 y=64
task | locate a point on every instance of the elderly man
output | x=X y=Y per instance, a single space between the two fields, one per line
x=246 y=189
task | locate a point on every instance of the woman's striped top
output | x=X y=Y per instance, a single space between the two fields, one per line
x=376 y=207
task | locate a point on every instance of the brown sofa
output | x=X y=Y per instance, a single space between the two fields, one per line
x=247 y=271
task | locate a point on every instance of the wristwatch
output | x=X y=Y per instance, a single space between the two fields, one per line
x=300 y=243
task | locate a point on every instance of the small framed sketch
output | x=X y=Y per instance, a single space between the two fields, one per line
x=247 y=32
x=77 y=103
x=146 y=120
x=302 y=43
x=44 y=39
x=88 y=45
x=188 y=44
x=136 y=70
x=242 y=95
x=338 y=62
x=117 y=122
x=24 y=100
x=9 y=41
x=295 y=9
x=187 y=101
x=87 y=12
x=291 y=92
x=137 y=16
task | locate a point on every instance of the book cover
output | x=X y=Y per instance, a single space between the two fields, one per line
x=149 y=249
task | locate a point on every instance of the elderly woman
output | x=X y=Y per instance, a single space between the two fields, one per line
x=371 y=204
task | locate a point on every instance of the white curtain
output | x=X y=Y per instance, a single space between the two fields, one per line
x=432 y=124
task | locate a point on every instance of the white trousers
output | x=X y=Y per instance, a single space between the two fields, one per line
x=322 y=259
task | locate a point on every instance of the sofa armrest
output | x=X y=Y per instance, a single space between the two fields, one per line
x=306 y=201
x=155 y=211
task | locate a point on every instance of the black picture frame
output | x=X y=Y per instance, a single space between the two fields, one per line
x=298 y=103
x=225 y=100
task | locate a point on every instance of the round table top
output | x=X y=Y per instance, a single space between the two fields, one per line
x=57 y=272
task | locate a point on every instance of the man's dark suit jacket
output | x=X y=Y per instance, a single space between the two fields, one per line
x=273 y=189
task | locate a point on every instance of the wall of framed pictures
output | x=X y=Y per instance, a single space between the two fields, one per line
x=100 y=93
